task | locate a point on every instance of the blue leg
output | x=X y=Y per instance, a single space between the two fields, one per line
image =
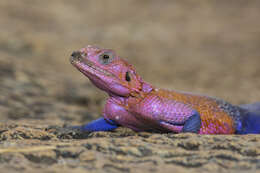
x=250 y=124
x=100 y=124
x=192 y=124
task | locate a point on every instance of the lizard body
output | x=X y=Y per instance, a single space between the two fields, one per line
x=138 y=105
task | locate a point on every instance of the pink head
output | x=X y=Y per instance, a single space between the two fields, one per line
x=107 y=71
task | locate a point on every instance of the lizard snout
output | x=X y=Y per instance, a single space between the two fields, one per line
x=75 y=56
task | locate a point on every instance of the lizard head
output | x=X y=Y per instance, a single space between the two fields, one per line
x=107 y=71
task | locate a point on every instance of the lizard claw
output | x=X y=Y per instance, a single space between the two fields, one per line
x=67 y=132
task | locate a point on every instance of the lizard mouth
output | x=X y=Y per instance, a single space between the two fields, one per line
x=86 y=66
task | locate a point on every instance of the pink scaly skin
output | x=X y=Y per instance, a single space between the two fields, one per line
x=135 y=104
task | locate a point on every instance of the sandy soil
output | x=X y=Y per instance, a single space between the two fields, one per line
x=204 y=47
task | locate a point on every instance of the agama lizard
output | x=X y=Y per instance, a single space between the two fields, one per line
x=138 y=105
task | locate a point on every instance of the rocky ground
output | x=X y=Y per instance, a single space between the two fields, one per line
x=205 y=47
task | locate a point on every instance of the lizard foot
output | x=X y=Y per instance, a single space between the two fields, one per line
x=68 y=132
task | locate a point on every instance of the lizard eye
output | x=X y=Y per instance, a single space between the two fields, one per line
x=127 y=77
x=106 y=58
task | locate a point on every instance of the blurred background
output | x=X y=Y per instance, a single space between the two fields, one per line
x=209 y=47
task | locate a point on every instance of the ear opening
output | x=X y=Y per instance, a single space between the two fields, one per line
x=127 y=76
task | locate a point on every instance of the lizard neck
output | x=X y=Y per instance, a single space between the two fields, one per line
x=133 y=97
x=146 y=87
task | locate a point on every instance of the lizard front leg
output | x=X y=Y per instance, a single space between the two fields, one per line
x=100 y=124
x=152 y=113
x=117 y=112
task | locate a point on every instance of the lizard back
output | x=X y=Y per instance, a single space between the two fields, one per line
x=217 y=116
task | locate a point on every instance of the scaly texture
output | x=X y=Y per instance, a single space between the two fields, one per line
x=135 y=104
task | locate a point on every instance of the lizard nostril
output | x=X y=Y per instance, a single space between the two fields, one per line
x=75 y=54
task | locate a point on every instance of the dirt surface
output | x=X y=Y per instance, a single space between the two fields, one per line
x=209 y=47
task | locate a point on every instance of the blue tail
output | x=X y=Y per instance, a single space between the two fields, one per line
x=251 y=119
